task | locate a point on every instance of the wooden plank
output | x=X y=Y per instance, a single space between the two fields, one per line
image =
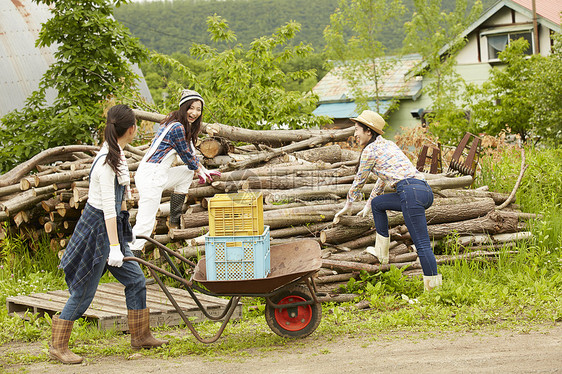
x=108 y=309
x=156 y=300
x=99 y=304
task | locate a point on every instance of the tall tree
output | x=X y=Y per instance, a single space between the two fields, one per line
x=92 y=64
x=547 y=94
x=434 y=34
x=353 y=41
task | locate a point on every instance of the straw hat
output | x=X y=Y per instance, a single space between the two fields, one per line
x=372 y=120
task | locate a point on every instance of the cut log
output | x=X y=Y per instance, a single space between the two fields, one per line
x=344 y=277
x=269 y=137
x=68 y=176
x=22 y=201
x=496 y=196
x=184 y=234
x=189 y=220
x=294 y=231
x=214 y=146
x=9 y=190
x=442 y=210
x=292 y=182
x=301 y=145
x=65 y=210
x=493 y=239
x=329 y=154
x=341 y=234
x=310 y=193
x=20 y=218
x=14 y=175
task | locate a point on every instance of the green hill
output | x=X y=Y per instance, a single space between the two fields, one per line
x=169 y=27
x=172 y=26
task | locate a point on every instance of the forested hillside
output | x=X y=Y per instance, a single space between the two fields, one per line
x=169 y=27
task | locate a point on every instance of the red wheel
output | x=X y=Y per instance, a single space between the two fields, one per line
x=293 y=322
x=295 y=318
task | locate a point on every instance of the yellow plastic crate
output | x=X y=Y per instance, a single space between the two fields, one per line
x=237 y=214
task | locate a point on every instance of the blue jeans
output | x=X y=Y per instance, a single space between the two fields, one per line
x=130 y=275
x=412 y=198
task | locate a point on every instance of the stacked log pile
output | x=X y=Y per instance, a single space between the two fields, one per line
x=304 y=176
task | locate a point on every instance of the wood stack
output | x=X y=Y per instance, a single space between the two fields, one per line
x=304 y=176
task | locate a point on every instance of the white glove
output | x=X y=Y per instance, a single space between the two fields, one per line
x=346 y=210
x=366 y=211
x=206 y=175
x=115 y=256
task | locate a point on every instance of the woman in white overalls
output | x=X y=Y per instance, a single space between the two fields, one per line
x=176 y=136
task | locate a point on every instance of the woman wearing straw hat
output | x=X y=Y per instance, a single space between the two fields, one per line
x=176 y=136
x=412 y=197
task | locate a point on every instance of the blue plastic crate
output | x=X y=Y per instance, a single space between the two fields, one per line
x=237 y=257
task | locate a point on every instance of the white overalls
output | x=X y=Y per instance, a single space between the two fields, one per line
x=151 y=179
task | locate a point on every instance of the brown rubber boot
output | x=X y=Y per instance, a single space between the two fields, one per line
x=139 y=326
x=58 y=348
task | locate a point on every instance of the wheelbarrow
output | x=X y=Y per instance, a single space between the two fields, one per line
x=292 y=308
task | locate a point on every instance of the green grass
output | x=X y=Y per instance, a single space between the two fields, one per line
x=516 y=291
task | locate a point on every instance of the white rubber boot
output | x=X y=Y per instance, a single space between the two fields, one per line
x=380 y=250
x=432 y=281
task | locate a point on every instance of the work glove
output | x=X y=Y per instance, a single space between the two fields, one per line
x=346 y=210
x=206 y=175
x=366 y=211
x=115 y=255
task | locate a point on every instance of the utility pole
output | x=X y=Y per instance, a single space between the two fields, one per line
x=535 y=28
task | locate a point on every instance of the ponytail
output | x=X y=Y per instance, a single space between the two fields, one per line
x=119 y=119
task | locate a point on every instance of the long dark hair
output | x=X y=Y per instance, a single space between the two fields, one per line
x=119 y=119
x=374 y=136
x=180 y=115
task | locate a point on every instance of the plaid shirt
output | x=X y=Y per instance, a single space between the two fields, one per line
x=385 y=159
x=174 y=139
x=85 y=248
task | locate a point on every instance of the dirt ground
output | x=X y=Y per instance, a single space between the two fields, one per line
x=535 y=351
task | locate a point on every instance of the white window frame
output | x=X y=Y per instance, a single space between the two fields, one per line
x=509 y=30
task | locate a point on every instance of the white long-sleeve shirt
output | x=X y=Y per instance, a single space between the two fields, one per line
x=101 y=194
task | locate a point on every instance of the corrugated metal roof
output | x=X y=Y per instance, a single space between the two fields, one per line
x=333 y=88
x=349 y=109
x=22 y=64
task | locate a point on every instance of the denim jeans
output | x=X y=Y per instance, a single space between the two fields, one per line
x=130 y=275
x=412 y=198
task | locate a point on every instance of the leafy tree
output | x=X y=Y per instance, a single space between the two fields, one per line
x=434 y=34
x=92 y=64
x=157 y=76
x=523 y=95
x=245 y=87
x=547 y=94
x=354 y=41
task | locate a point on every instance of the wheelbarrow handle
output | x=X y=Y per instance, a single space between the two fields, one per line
x=185 y=282
x=167 y=250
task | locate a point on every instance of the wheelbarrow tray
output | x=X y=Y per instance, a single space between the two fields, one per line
x=289 y=262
